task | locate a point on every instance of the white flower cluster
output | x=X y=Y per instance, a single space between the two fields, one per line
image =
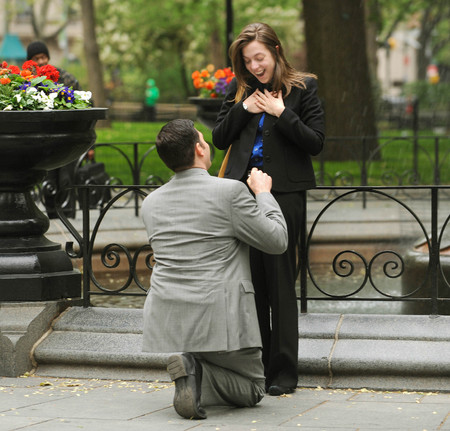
x=83 y=95
x=35 y=99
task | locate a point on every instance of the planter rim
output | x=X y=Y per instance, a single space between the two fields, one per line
x=54 y=115
x=206 y=101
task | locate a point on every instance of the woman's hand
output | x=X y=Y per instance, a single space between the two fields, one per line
x=251 y=103
x=272 y=103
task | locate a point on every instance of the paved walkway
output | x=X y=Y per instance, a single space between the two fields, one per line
x=44 y=403
x=41 y=403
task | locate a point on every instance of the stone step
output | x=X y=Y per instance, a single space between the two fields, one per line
x=394 y=352
x=98 y=342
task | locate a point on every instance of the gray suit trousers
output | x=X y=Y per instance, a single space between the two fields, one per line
x=232 y=378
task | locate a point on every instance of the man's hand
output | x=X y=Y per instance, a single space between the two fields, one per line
x=259 y=182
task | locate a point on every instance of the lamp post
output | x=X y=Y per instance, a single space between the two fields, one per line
x=229 y=30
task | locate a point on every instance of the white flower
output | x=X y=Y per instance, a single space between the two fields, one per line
x=84 y=95
x=18 y=98
x=8 y=108
x=31 y=90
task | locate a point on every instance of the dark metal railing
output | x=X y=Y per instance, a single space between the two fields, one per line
x=425 y=158
x=365 y=162
x=430 y=288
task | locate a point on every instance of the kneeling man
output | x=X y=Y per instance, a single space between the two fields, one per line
x=201 y=301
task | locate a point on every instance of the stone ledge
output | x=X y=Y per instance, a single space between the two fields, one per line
x=336 y=351
x=104 y=320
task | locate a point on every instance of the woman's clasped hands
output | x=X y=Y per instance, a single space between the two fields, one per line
x=270 y=102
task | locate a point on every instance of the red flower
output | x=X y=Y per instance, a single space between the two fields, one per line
x=14 y=69
x=228 y=72
x=30 y=65
x=50 y=72
x=5 y=80
x=209 y=85
x=4 y=65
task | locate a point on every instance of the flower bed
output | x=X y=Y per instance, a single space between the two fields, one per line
x=35 y=88
x=212 y=83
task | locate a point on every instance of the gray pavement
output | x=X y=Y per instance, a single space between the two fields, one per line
x=40 y=403
x=337 y=348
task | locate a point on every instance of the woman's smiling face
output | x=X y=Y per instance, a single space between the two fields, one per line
x=259 y=61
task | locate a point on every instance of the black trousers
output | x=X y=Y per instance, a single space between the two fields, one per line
x=274 y=279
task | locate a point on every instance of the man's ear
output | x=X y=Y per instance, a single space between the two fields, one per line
x=199 y=149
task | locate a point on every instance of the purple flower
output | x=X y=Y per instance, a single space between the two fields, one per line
x=67 y=94
x=24 y=86
x=221 y=86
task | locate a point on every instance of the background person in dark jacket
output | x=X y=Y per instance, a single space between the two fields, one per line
x=273 y=120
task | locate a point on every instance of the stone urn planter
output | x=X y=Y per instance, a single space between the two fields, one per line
x=33 y=268
x=207 y=110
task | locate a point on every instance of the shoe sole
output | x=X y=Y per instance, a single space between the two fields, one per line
x=184 y=399
x=176 y=368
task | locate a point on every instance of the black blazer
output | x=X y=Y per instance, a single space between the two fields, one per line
x=288 y=141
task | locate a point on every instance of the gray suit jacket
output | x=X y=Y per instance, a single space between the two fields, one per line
x=201 y=297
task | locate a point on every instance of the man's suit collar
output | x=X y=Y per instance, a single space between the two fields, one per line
x=188 y=173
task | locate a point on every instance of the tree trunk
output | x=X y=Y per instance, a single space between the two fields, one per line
x=94 y=65
x=336 y=44
x=217 y=50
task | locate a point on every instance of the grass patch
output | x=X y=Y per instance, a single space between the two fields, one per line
x=394 y=167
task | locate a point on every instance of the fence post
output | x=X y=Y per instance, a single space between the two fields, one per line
x=434 y=255
x=437 y=175
x=303 y=256
x=86 y=245
x=136 y=179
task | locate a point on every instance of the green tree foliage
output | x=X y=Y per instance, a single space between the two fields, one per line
x=430 y=19
x=169 y=39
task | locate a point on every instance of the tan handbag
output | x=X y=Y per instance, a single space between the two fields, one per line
x=224 y=164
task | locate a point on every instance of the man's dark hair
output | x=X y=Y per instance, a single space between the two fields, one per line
x=175 y=144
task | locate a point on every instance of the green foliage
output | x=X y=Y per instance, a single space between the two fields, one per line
x=168 y=39
x=430 y=96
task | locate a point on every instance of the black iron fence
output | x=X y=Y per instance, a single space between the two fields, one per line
x=408 y=261
x=384 y=160
x=357 y=161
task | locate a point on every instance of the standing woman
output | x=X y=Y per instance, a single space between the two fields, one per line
x=273 y=120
